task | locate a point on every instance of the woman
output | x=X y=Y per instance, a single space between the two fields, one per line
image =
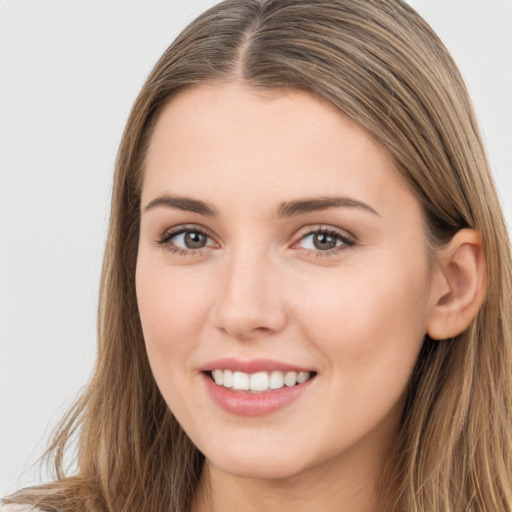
x=307 y=286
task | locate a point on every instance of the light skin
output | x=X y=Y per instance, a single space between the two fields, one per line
x=313 y=254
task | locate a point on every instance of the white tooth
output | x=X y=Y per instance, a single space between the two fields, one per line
x=302 y=377
x=290 y=379
x=241 y=381
x=217 y=376
x=259 y=381
x=227 y=379
x=276 y=380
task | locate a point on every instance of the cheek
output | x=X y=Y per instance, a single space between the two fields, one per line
x=369 y=329
x=173 y=308
x=369 y=323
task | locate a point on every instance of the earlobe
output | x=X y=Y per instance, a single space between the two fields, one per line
x=461 y=285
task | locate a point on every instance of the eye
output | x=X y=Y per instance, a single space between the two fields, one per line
x=186 y=239
x=325 y=240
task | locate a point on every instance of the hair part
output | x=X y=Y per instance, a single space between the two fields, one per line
x=382 y=66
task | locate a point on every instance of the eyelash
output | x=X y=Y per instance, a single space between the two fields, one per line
x=165 y=241
x=346 y=241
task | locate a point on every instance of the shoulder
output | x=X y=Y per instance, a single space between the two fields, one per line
x=13 y=507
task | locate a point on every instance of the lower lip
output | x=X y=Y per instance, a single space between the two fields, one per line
x=253 y=404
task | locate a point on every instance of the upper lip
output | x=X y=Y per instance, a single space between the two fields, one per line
x=252 y=365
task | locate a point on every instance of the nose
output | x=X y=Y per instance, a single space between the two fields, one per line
x=250 y=302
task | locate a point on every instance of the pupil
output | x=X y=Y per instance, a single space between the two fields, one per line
x=195 y=240
x=324 y=241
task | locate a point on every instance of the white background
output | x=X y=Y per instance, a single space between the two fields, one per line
x=69 y=72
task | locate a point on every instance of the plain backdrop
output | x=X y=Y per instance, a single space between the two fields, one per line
x=69 y=72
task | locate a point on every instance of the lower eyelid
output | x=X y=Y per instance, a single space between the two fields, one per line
x=316 y=253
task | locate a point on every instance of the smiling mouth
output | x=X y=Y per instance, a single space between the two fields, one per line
x=260 y=381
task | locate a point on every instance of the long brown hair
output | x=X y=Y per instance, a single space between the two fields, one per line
x=381 y=65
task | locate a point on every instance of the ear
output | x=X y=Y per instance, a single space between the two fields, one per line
x=460 y=286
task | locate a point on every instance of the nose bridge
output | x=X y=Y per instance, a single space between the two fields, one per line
x=249 y=302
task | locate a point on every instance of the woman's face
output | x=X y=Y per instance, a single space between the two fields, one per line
x=279 y=249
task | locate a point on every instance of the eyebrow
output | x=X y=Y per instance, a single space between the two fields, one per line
x=183 y=203
x=317 y=204
x=286 y=209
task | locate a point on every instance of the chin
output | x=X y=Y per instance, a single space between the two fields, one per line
x=256 y=464
x=258 y=470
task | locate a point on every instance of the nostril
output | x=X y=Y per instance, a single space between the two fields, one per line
x=244 y=331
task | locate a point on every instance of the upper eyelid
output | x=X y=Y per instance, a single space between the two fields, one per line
x=181 y=228
x=325 y=228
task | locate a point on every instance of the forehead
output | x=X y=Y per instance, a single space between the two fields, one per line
x=220 y=140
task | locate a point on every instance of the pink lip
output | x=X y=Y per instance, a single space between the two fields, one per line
x=245 y=403
x=251 y=366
